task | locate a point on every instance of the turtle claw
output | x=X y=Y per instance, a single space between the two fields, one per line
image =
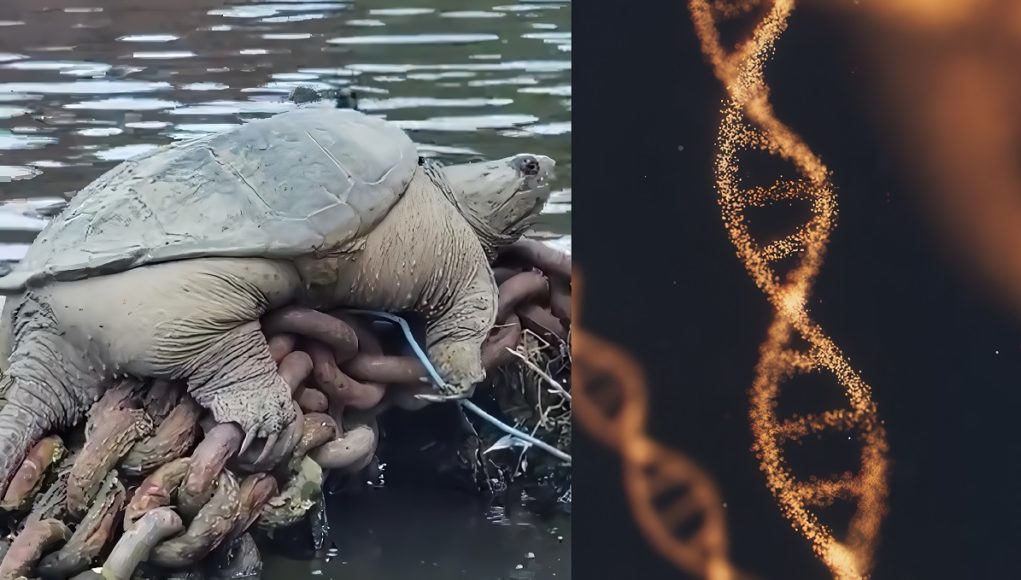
x=273 y=447
x=267 y=448
x=247 y=442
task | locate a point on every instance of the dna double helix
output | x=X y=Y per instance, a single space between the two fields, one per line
x=674 y=502
x=795 y=344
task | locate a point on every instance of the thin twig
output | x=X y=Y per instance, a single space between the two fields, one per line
x=557 y=386
x=515 y=432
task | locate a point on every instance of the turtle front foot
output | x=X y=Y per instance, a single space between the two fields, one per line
x=276 y=448
x=267 y=426
x=459 y=363
x=242 y=384
x=264 y=415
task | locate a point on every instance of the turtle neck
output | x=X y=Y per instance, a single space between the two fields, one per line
x=491 y=239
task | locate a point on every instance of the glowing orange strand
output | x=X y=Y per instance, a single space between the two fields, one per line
x=741 y=72
x=610 y=401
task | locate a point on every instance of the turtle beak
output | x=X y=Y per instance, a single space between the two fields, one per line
x=503 y=193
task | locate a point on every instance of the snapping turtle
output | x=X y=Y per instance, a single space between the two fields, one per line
x=163 y=266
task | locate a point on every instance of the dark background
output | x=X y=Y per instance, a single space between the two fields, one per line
x=663 y=281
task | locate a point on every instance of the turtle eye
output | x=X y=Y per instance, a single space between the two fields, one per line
x=528 y=165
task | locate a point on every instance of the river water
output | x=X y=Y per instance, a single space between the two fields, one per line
x=85 y=84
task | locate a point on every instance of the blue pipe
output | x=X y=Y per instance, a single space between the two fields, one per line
x=438 y=382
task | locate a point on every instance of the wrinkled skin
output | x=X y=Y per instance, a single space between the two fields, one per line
x=197 y=320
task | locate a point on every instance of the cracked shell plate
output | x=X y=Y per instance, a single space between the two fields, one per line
x=307 y=180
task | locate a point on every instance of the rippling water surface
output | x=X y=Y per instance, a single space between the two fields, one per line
x=86 y=84
x=83 y=87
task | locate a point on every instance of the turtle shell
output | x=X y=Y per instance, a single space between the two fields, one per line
x=307 y=180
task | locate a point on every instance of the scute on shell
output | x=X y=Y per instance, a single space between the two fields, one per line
x=279 y=187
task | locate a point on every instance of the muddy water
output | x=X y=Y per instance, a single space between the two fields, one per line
x=85 y=84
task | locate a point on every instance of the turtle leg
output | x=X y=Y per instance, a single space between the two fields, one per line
x=454 y=339
x=198 y=320
x=48 y=385
x=193 y=320
x=237 y=380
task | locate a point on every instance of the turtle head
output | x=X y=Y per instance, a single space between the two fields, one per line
x=501 y=198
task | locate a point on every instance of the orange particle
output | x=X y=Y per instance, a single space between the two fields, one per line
x=748 y=122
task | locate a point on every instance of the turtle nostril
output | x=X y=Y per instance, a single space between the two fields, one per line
x=528 y=165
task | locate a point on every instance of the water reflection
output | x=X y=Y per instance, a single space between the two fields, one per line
x=83 y=88
x=391 y=534
x=104 y=83
x=415 y=39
